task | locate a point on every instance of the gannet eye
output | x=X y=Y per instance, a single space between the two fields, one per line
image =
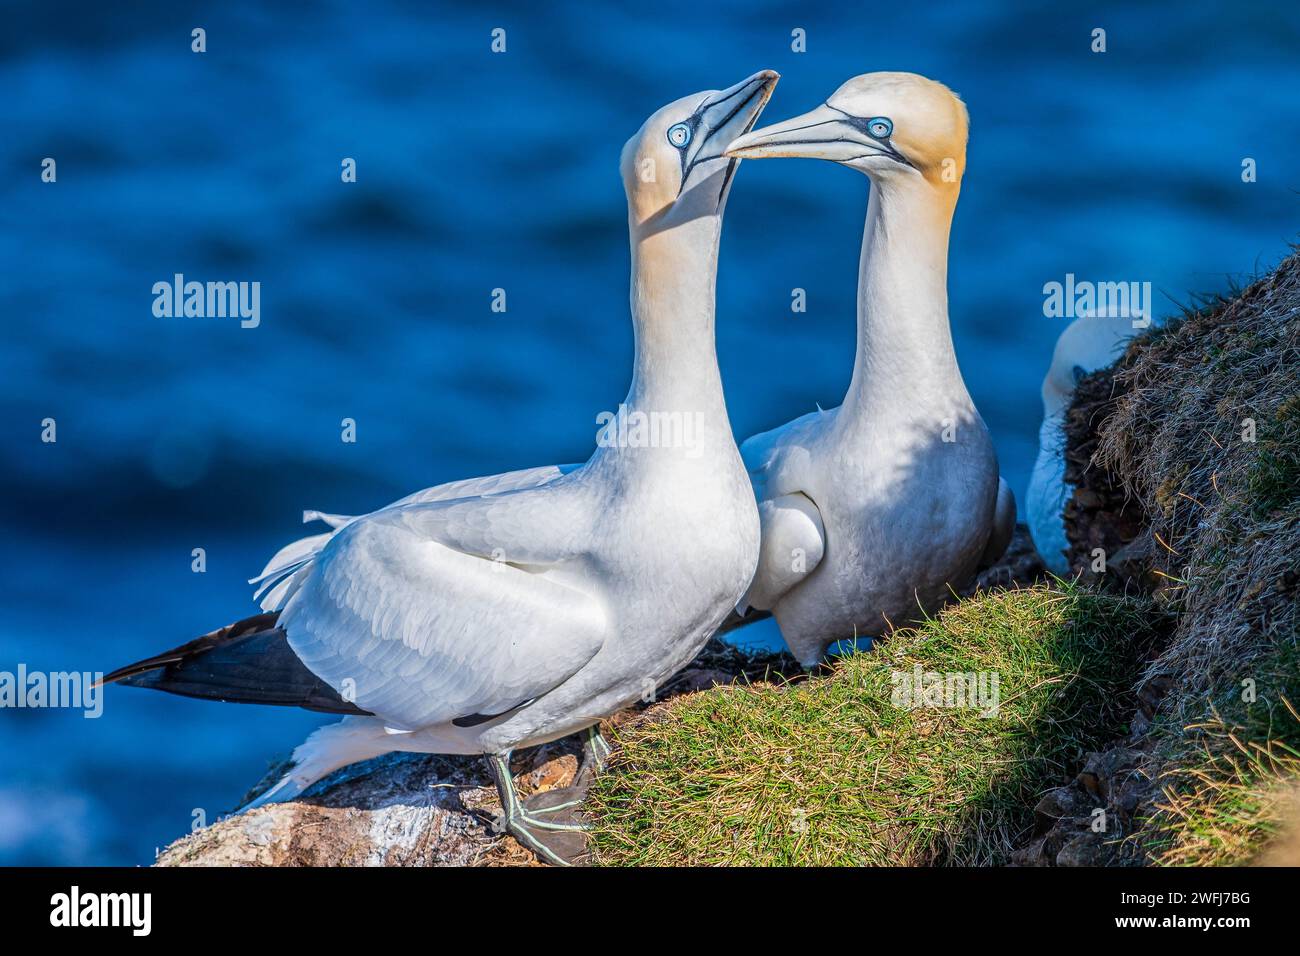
x=679 y=135
x=880 y=127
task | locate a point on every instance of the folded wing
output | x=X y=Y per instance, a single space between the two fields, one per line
x=430 y=612
x=794 y=536
x=279 y=578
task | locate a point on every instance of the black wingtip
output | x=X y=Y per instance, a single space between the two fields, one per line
x=248 y=662
x=123 y=675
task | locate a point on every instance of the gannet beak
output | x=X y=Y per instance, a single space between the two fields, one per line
x=726 y=115
x=823 y=133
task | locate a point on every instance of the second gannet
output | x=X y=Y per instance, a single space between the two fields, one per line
x=1087 y=344
x=873 y=511
x=488 y=615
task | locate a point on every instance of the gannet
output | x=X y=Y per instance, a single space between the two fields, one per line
x=486 y=615
x=1087 y=344
x=871 y=511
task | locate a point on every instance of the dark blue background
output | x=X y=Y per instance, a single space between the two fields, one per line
x=479 y=171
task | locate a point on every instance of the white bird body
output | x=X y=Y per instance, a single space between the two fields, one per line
x=1085 y=345
x=552 y=599
x=484 y=615
x=901 y=481
x=573 y=599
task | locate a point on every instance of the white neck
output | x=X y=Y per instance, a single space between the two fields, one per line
x=675 y=368
x=905 y=356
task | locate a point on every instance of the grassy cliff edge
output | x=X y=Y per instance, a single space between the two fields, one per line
x=845 y=769
x=1148 y=714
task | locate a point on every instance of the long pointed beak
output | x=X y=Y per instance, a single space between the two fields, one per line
x=823 y=133
x=731 y=113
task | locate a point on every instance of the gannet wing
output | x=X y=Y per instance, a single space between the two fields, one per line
x=275 y=580
x=451 y=610
x=794 y=540
x=489 y=485
x=762 y=451
x=778 y=460
x=794 y=536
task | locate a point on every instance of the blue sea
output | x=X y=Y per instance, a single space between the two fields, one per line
x=475 y=171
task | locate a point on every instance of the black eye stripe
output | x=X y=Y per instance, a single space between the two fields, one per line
x=864 y=125
x=692 y=123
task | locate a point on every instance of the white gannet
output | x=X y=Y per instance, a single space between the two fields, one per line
x=872 y=510
x=486 y=615
x=1087 y=344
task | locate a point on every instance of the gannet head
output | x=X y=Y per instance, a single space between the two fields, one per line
x=888 y=125
x=1086 y=344
x=674 y=168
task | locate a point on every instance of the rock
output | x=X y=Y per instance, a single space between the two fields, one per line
x=396 y=810
x=1117 y=781
x=1033 y=854
x=1061 y=804
x=1087 y=849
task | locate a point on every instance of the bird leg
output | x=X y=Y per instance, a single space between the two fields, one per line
x=594 y=759
x=595 y=750
x=557 y=843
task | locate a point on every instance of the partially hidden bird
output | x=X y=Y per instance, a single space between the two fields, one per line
x=490 y=614
x=874 y=511
x=1085 y=345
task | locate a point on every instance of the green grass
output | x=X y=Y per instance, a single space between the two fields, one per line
x=1230 y=782
x=829 y=771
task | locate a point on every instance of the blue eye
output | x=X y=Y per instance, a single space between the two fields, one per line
x=880 y=127
x=679 y=135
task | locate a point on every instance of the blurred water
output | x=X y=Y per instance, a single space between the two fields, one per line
x=479 y=171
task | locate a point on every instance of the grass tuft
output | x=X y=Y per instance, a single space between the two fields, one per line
x=1199 y=428
x=833 y=770
x=1229 y=783
x=1204 y=434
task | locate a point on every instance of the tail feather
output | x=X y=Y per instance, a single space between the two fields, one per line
x=282 y=574
x=330 y=747
x=248 y=662
x=281 y=792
